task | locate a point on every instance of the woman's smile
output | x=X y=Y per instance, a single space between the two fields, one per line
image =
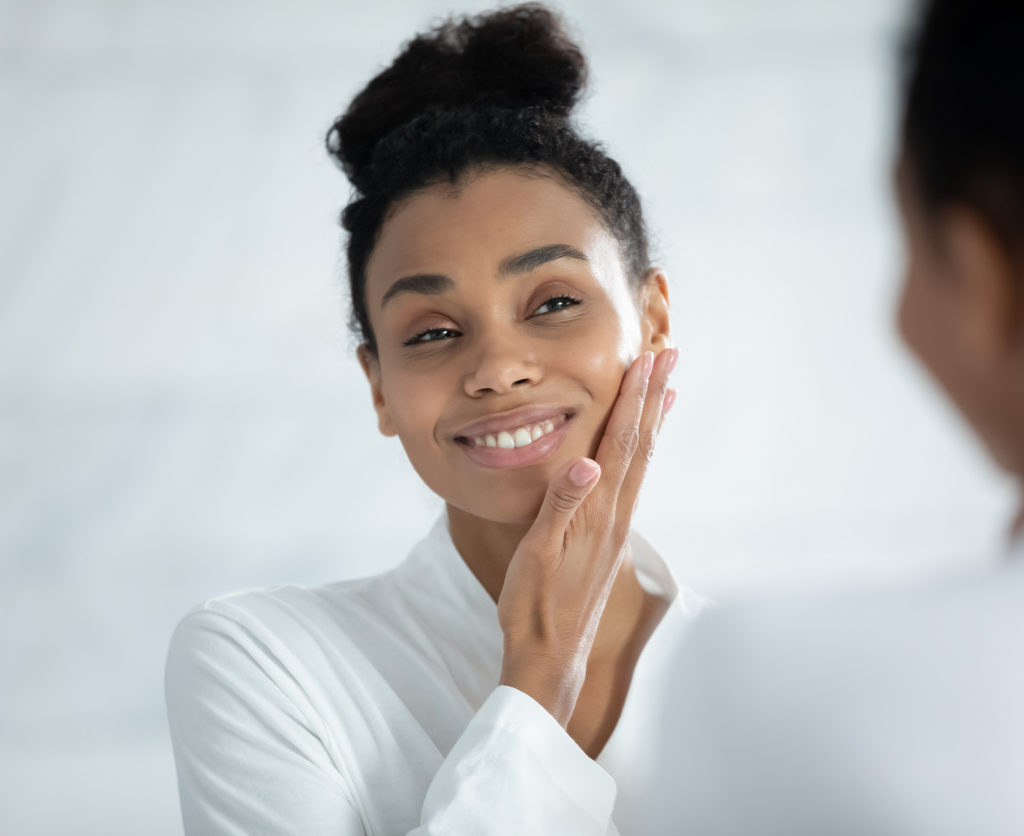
x=515 y=439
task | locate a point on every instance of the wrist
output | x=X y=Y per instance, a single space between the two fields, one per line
x=552 y=683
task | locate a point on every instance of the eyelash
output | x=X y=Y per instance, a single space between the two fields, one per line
x=428 y=336
x=420 y=337
x=571 y=300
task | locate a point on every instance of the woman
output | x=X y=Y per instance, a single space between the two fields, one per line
x=516 y=341
x=896 y=711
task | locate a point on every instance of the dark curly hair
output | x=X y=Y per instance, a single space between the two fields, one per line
x=473 y=94
x=963 y=123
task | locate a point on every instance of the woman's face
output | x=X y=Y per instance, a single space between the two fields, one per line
x=504 y=322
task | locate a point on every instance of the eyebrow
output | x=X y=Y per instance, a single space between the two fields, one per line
x=532 y=259
x=429 y=283
x=433 y=284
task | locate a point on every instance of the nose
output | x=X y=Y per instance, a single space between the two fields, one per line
x=499 y=365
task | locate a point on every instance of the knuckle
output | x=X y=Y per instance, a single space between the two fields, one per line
x=563 y=500
x=628 y=441
x=647 y=443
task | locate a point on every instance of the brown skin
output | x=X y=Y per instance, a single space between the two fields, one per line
x=961 y=312
x=546 y=549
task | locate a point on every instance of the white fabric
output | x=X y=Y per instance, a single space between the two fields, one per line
x=867 y=713
x=372 y=707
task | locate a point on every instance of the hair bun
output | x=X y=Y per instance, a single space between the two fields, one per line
x=514 y=57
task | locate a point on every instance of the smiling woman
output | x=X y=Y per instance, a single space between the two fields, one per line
x=516 y=341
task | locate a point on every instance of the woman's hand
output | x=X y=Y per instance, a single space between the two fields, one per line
x=563 y=570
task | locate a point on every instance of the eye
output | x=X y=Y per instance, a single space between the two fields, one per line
x=557 y=303
x=432 y=335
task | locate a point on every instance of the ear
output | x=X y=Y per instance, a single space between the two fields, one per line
x=371 y=368
x=987 y=289
x=653 y=305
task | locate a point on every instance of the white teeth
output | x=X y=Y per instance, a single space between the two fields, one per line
x=518 y=437
x=522 y=437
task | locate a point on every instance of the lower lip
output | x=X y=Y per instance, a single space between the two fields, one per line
x=499 y=458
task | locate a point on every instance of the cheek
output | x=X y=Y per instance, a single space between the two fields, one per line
x=601 y=369
x=414 y=406
x=905 y=312
x=926 y=320
x=605 y=369
x=613 y=341
x=627 y=327
x=598 y=357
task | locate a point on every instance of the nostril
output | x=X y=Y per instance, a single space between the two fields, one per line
x=521 y=380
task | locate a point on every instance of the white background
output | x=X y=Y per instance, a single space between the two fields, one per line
x=181 y=414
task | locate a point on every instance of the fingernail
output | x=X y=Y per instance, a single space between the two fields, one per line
x=648 y=364
x=670 y=399
x=583 y=472
x=673 y=356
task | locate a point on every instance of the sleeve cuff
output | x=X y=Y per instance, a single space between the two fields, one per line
x=515 y=770
x=515 y=713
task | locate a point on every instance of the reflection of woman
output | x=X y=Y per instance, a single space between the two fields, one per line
x=516 y=341
x=894 y=712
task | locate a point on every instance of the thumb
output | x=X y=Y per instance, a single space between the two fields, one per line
x=564 y=495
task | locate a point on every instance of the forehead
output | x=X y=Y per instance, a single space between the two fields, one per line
x=474 y=226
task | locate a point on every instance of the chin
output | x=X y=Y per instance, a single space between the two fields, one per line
x=506 y=513
x=505 y=507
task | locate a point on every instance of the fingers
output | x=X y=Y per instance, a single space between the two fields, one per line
x=658 y=400
x=565 y=494
x=622 y=432
x=622 y=456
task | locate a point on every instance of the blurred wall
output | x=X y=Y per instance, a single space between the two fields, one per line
x=181 y=414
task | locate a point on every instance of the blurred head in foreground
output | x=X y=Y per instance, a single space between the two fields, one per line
x=960 y=185
x=896 y=711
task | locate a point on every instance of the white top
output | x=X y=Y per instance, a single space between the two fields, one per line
x=372 y=707
x=854 y=714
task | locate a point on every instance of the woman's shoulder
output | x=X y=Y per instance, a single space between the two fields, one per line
x=283 y=614
x=295 y=648
x=300 y=625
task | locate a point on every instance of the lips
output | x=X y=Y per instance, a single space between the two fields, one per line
x=513 y=420
x=517 y=438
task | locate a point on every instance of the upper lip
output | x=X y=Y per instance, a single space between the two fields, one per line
x=520 y=417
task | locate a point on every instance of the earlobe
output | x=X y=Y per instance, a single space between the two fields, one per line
x=654 y=312
x=371 y=368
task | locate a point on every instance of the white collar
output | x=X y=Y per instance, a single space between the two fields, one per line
x=436 y=568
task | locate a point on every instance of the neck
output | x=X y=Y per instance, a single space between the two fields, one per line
x=487 y=547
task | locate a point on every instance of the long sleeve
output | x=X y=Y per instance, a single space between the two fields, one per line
x=254 y=756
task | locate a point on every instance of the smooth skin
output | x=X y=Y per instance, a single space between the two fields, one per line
x=476 y=340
